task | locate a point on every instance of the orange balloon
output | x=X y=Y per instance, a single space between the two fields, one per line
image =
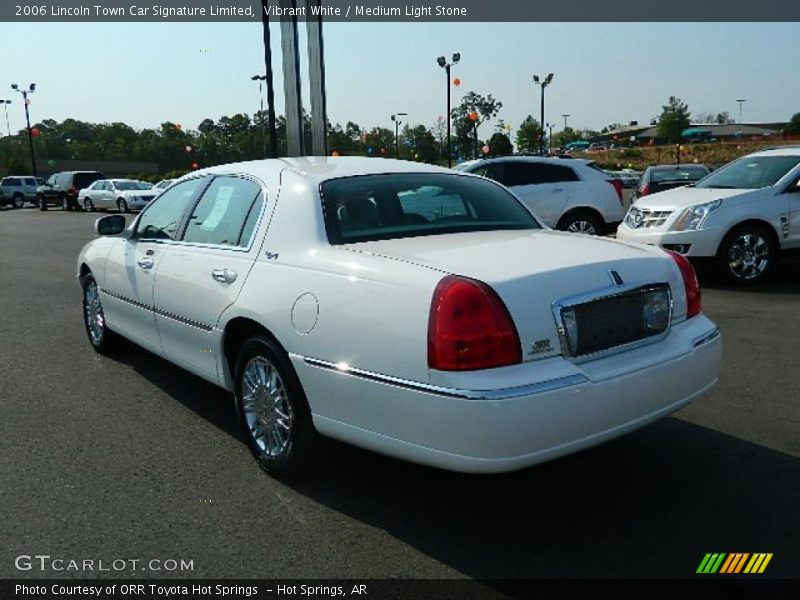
x=456 y=82
x=473 y=116
x=334 y=153
x=195 y=165
x=35 y=132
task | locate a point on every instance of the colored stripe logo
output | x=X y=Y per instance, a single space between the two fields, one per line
x=734 y=563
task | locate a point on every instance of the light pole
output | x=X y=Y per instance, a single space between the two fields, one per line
x=543 y=83
x=259 y=79
x=550 y=137
x=5 y=104
x=446 y=66
x=397 y=123
x=565 y=121
x=31 y=89
x=741 y=101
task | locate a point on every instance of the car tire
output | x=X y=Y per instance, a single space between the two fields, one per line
x=42 y=203
x=122 y=206
x=272 y=408
x=747 y=254
x=581 y=221
x=102 y=339
x=88 y=205
x=18 y=201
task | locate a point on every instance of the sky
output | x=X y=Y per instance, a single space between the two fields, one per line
x=146 y=73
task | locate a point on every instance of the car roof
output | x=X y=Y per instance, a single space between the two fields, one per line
x=792 y=150
x=553 y=160
x=322 y=168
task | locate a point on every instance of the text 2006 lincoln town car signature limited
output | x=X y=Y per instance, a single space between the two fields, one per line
x=401 y=307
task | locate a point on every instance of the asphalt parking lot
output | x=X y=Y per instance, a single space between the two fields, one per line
x=129 y=457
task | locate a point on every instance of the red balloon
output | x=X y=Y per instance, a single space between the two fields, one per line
x=35 y=132
x=456 y=82
x=473 y=116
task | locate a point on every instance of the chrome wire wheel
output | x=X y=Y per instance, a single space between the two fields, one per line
x=266 y=407
x=93 y=314
x=748 y=256
x=580 y=226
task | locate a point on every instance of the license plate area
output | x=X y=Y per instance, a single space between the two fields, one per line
x=613 y=321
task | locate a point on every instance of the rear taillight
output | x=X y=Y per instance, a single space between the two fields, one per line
x=469 y=328
x=617 y=185
x=690 y=284
x=644 y=190
x=72 y=189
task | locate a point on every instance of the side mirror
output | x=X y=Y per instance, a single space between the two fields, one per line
x=110 y=225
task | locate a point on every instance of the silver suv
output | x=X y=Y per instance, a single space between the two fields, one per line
x=17 y=189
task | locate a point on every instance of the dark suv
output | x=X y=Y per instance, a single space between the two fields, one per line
x=61 y=189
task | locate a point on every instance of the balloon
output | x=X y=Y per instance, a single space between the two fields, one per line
x=188 y=148
x=178 y=126
x=334 y=153
x=485 y=149
x=35 y=132
x=51 y=163
x=369 y=150
x=695 y=161
x=473 y=116
x=195 y=165
x=383 y=150
x=27 y=101
x=456 y=82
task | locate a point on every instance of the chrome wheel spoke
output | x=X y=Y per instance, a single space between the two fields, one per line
x=266 y=406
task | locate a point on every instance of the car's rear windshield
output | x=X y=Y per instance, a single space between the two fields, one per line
x=379 y=207
x=132 y=185
x=751 y=172
x=84 y=180
x=678 y=174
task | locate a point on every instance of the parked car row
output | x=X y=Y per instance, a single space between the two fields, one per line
x=79 y=190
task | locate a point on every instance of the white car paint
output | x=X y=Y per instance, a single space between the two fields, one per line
x=653 y=219
x=353 y=320
x=553 y=202
x=106 y=193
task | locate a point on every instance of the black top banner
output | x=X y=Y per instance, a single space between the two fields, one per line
x=367 y=11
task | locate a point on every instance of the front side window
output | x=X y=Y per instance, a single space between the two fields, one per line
x=751 y=172
x=378 y=207
x=162 y=219
x=226 y=214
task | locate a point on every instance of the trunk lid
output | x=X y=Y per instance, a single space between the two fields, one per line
x=530 y=270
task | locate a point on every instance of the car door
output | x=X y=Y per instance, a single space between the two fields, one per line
x=203 y=274
x=531 y=182
x=133 y=264
x=792 y=192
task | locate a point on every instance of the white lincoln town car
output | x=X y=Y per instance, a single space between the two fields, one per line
x=408 y=309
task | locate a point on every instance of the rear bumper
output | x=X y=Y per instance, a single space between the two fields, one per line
x=505 y=429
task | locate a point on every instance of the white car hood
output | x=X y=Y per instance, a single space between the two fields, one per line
x=685 y=196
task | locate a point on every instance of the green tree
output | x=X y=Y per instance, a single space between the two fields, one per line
x=673 y=120
x=723 y=118
x=793 y=128
x=500 y=145
x=466 y=129
x=528 y=135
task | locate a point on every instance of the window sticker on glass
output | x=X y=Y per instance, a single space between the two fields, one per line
x=221 y=204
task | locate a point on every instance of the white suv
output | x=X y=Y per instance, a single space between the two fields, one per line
x=742 y=215
x=568 y=194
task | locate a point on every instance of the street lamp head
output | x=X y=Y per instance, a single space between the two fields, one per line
x=394 y=117
x=442 y=61
x=456 y=57
x=32 y=87
x=549 y=79
x=535 y=79
x=14 y=86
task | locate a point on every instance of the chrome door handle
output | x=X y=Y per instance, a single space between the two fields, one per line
x=223 y=275
x=146 y=263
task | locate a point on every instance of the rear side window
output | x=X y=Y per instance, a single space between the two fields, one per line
x=678 y=174
x=11 y=181
x=522 y=173
x=378 y=207
x=226 y=214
